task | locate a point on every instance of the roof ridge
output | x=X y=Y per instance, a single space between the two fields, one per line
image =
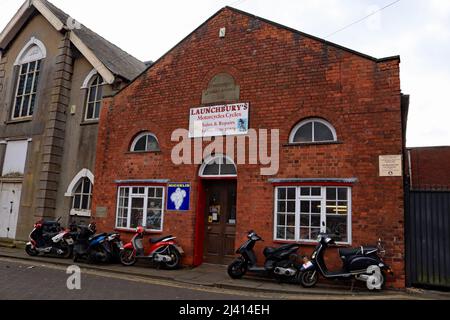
x=338 y=46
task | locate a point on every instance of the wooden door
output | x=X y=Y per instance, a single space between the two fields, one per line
x=220 y=221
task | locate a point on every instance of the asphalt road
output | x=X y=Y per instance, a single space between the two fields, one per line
x=36 y=281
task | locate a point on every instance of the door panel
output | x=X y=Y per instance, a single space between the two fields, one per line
x=220 y=221
x=9 y=209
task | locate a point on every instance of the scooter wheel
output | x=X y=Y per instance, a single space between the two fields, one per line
x=30 y=251
x=68 y=251
x=237 y=269
x=127 y=258
x=309 y=278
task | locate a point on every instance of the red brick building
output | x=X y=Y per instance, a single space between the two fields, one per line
x=429 y=167
x=337 y=112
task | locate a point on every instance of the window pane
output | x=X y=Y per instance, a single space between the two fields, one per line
x=331 y=193
x=291 y=206
x=304 y=133
x=227 y=169
x=315 y=220
x=137 y=212
x=304 y=206
x=97 y=110
x=281 y=220
x=291 y=193
x=32 y=103
x=290 y=220
x=99 y=93
x=337 y=225
x=315 y=206
x=305 y=191
x=211 y=170
x=152 y=143
x=159 y=192
x=77 y=202
x=140 y=144
x=86 y=186
x=90 y=111
x=32 y=66
x=331 y=207
x=290 y=233
x=342 y=194
x=36 y=81
x=21 y=85
x=316 y=192
x=322 y=132
x=29 y=83
x=282 y=206
x=281 y=193
x=26 y=101
x=85 y=202
x=304 y=220
x=281 y=233
x=17 y=107
x=304 y=233
x=342 y=208
x=92 y=93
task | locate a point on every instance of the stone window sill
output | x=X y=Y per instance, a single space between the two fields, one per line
x=21 y=120
x=89 y=123
x=307 y=144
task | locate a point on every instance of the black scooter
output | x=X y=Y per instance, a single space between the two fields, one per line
x=363 y=264
x=281 y=262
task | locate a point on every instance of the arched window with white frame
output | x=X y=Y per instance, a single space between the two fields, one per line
x=80 y=191
x=94 y=97
x=313 y=130
x=218 y=166
x=145 y=142
x=28 y=64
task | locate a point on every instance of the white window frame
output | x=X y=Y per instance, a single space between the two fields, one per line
x=210 y=160
x=77 y=211
x=323 y=213
x=141 y=135
x=312 y=120
x=132 y=195
x=92 y=79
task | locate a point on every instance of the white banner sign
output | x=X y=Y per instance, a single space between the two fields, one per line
x=229 y=119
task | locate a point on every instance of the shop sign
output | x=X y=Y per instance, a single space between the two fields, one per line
x=391 y=166
x=178 y=196
x=219 y=120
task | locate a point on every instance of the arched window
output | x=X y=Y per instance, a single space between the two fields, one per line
x=218 y=165
x=28 y=63
x=313 y=130
x=82 y=196
x=145 y=142
x=94 y=97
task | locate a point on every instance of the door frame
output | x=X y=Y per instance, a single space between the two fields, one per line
x=199 y=235
x=14 y=182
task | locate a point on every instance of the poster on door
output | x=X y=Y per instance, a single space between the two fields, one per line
x=178 y=196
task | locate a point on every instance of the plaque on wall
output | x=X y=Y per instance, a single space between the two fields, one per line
x=391 y=166
x=101 y=212
x=221 y=88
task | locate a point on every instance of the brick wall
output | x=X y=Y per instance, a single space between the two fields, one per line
x=286 y=77
x=430 y=167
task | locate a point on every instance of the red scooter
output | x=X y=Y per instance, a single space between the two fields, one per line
x=163 y=251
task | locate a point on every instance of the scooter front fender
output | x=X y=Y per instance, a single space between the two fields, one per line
x=129 y=245
x=308 y=267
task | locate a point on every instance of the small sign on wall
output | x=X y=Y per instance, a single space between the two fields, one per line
x=391 y=166
x=178 y=196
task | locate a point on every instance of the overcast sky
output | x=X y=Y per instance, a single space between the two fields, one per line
x=418 y=30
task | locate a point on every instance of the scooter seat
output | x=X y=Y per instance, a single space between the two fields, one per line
x=347 y=252
x=268 y=251
x=155 y=240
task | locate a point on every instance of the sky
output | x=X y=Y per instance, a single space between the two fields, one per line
x=417 y=30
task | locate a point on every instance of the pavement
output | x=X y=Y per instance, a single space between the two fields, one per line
x=215 y=276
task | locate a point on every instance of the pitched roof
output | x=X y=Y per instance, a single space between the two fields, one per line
x=109 y=60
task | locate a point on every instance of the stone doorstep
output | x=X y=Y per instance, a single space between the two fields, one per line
x=204 y=275
x=7 y=243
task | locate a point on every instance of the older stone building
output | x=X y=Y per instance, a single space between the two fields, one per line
x=340 y=118
x=54 y=73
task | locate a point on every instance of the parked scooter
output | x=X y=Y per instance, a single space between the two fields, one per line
x=93 y=247
x=281 y=262
x=48 y=237
x=164 y=251
x=363 y=264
